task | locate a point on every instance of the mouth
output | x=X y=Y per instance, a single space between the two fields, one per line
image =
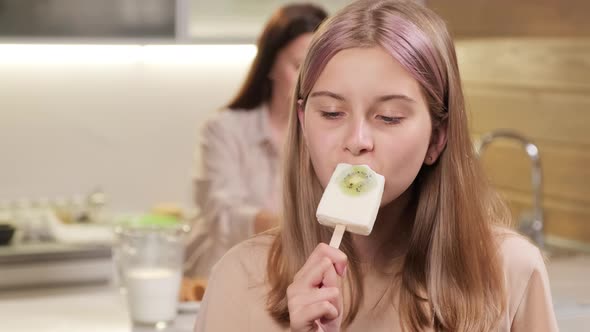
x=367 y=164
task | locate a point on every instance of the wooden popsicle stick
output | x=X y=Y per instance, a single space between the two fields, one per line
x=337 y=236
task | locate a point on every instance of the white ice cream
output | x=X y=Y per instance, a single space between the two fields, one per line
x=352 y=199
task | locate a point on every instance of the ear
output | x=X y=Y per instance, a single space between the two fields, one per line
x=301 y=114
x=438 y=141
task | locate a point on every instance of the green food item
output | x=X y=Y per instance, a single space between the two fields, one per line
x=157 y=220
x=150 y=220
x=357 y=180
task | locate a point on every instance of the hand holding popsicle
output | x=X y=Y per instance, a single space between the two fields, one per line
x=350 y=201
x=315 y=296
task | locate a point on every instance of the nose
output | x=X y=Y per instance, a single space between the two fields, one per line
x=359 y=139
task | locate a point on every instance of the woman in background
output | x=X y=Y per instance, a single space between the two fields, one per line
x=237 y=185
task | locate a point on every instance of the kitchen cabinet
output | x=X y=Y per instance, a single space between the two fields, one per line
x=233 y=20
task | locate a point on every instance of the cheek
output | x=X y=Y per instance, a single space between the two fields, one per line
x=323 y=150
x=404 y=160
x=291 y=77
x=287 y=75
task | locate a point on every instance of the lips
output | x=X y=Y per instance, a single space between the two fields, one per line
x=358 y=163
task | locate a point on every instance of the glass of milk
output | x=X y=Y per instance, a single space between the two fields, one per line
x=149 y=258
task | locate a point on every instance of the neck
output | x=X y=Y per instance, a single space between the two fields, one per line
x=390 y=235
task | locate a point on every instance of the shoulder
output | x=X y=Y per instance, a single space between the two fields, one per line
x=236 y=294
x=246 y=260
x=524 y=269
x=231 y=121
x=519 y=256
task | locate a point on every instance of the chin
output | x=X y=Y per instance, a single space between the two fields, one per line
x=386 y=201
x=389 y=198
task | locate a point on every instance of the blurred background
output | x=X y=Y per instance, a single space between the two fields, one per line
x=114 y=97
x=101 y=102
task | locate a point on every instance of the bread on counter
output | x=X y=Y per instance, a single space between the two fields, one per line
x=192 y=289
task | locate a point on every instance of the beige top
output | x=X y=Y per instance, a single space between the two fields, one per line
x=235 y=299
x=236 y=177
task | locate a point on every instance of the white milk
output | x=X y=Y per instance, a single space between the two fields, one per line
x=152 y=294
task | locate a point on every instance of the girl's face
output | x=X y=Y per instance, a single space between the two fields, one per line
x=366 y=109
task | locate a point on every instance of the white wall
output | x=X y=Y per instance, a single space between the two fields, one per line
x=129 y=126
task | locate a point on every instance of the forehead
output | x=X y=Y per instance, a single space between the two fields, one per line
x=372 y=69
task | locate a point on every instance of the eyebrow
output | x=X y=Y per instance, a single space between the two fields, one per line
x=395 y=97
x=379 y=99
x=327 y=94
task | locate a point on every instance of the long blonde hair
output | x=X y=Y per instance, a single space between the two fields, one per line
x=451 y=277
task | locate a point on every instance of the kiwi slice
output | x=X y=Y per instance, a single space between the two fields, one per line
x=357 y=180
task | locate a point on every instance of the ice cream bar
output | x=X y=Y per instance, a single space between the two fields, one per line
x=351 y=201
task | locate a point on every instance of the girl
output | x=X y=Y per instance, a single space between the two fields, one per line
x=380 y=86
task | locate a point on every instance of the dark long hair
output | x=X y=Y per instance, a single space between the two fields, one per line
x=285 y=25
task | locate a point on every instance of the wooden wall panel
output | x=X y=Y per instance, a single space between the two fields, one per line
x=525 y=66
x=541 y=89
x=566 y=169
x=547 y=116
x=530 y=18
x=563 y=219
x=542 y=63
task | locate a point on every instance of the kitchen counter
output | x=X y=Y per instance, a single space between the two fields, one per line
x=570 y=289
x=89 y=308
x=101 y=308
x=51 y=263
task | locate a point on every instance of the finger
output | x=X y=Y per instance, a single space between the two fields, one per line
x=330 y=294
x=314 y=276
x=307 y=315
x=337 y=257
x=331 y=278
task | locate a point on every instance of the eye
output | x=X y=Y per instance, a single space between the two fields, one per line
x=332 y=115
x=390 y=120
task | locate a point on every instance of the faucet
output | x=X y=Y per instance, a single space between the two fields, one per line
x=531 y=224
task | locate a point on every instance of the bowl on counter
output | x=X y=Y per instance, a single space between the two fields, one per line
x=6 y=233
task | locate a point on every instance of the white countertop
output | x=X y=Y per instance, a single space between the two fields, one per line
x=98 y=308
x=101 y=308
x=570 y=287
